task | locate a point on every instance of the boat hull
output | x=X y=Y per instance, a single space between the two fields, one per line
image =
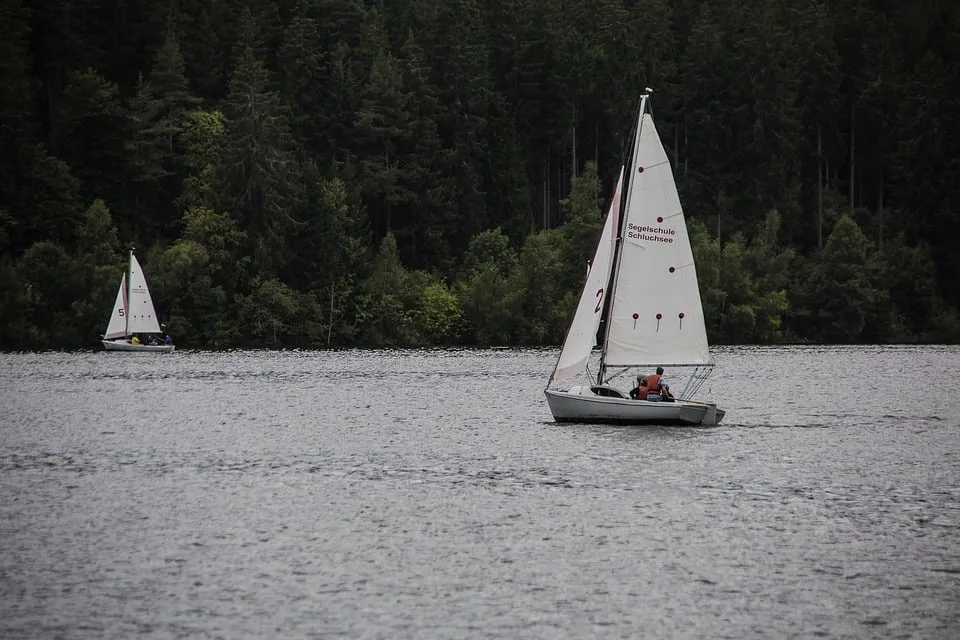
x=580 y=404
x=123 y=345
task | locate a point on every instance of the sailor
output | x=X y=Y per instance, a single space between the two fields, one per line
x=657 y=387
x=639 y=392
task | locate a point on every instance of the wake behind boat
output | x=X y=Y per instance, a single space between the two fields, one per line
x=642 y=289
x=134 y=316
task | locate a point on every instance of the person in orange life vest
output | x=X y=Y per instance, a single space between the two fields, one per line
x=639 y=392
x=657 y=387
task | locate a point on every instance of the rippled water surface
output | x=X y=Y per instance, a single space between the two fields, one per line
x=430 y=495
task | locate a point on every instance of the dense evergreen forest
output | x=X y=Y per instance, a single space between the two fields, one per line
x=330 y=173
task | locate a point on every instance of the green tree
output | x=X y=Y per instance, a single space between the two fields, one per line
x=162 y=112
x=18 y=122
x=45 y=203
x=196 y=277
x=839 y=292
x=203 y=137
x=435 y=310
x=539 y=300
x=275 y=315
x=381 y=129
x=707 y=257
x=582 y=226
x=50 y=285
x=258 y=161
x=382 y=319
x=17 y=331
x=91 y=135
x=770 y=264
x=484 y=288
x=909 y=274
x=329 y=252
x=96 y=271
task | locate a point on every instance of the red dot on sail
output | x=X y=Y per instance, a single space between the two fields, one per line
x=681 y=316
x=672 y=269
x=659 y=316
x=659 y=218
x=636 y=315
x=639 y=169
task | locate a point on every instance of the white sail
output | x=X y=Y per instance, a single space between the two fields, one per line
x=582 y=334
x=655 y=316
x=142 y=315
x=117 y=325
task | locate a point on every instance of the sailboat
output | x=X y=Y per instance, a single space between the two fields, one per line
x=642 y=298
x=133 y=315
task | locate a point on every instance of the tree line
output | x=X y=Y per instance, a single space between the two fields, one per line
x=331 y=173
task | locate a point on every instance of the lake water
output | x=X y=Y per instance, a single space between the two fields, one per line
x=429 y=494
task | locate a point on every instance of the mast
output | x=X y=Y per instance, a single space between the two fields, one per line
x=126 y=299
x=624 y=204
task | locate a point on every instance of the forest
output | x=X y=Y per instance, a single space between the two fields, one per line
x=403 y=173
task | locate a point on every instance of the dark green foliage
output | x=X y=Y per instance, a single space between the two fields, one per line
x=92 y=135
x=383 y=319
x=330 y=173
x=536 y=290
x=49 y=282
x=840 y=288
x=485 y=291
x=162 y=112
x=583 y=222
x=260 y=183
x=45 y=202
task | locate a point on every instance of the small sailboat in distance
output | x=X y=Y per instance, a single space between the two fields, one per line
x=134 y=318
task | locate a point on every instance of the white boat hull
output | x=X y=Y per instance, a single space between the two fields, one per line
x=123 y=345
x=580 y=404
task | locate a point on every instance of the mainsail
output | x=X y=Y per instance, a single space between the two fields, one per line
x=582 y=334
x=142 y=315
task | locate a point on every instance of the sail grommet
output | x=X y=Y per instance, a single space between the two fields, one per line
x=639 y=169
x=681 y=319
x=672 y=269
x=660 y=219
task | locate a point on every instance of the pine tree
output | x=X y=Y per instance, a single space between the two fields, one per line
x=161 y=109
x=258 y=184
x=91 y=135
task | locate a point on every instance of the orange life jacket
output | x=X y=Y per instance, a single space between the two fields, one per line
x=653 y=383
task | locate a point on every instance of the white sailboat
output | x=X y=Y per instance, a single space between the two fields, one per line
x=643 y=286
x=134 y=315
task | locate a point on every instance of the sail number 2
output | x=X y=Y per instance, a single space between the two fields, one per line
x=596 y=309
